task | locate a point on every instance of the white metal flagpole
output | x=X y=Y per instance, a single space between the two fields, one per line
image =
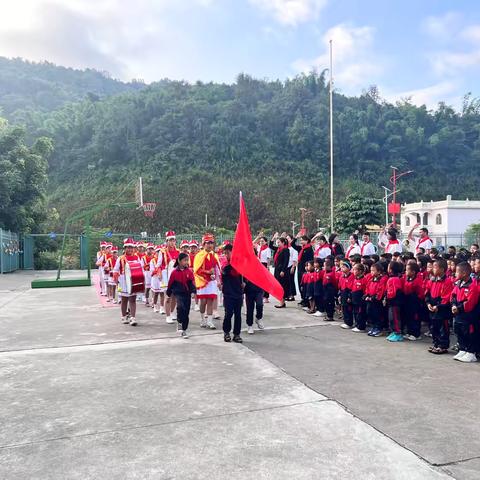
x=331 y=139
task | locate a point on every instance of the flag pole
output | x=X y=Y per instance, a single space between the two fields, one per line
x=331 y=138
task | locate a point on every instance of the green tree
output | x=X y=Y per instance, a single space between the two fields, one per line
x=23 y=179
x=356 y=212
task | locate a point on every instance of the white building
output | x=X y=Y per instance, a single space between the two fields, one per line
x=446 y=220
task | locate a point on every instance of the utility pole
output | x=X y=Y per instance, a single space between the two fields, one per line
x=331 y=136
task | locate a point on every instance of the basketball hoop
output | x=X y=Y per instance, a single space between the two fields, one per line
x=149 y=209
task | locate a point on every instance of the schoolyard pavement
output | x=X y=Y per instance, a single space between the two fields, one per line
x=86 y=397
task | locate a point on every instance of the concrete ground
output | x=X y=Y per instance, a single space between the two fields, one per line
x=86 y=397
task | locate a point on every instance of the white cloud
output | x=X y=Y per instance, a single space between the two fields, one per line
x=354 y=64
x=291 y=12
x=445 y=91
x=441 y=28
x=472 y=34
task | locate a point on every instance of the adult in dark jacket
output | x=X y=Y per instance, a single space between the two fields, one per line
x=335 y=245
x=279 y=247
x=305 y=254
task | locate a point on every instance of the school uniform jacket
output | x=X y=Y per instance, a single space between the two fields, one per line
x=376 y=288
x=395 y=291
x=465 y=296
x=437 y=294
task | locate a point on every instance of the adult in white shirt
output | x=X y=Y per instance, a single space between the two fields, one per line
x=322 y=249
x=422 y=241
x=353 y=248
x=367 y=247
x=389 y=242
x=292 y=266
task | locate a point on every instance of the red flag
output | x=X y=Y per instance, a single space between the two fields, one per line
x=247 y=263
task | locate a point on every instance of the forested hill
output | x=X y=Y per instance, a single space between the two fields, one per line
x=197 y=145
x=27 y=87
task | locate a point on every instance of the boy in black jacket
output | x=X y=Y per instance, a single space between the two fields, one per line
x=232 y=288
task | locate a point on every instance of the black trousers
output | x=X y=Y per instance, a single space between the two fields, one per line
x=254 y=299
x=440 y=331
x=411 y=315
x=375 y=314
x=292 y=288
x=233 y=308
x=183 y=309
x=347 y=311
x=266 y=294
x=465 y=331
x=359 y=315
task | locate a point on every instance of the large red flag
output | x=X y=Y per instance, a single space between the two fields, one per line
x=246 y=262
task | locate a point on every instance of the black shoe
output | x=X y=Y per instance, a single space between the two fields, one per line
x=227 y=337
x=237 y=339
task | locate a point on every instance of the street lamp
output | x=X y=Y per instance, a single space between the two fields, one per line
x=294 y=226
x=318 y=224
x=393 y=180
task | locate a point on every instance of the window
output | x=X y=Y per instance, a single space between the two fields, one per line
x=418 y=218
x=425 y=218
x=407 y=221
x=438 y=219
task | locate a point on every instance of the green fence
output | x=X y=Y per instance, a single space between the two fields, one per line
x=10 y=251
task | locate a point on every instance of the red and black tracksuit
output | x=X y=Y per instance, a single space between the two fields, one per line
x=395 y=300
x=359 y=286
x=374 y=294
x=329 y=283
x=465 y=297
x=414 y=291
x=182 y=284
x=318 y=290
x=345 y=296
x=438 y=292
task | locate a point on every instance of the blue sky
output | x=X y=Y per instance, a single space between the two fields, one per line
x=427 y=50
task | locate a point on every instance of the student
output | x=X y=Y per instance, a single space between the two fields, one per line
x=181 y=285
x=305 y=254
x=318 y=289
x=232 y=287
x=157 y=266
x=414 y=291
x=206 y=270
x=395 y=300
x=265 y=256
x=308 y=285
x=127 y=300
x=367 y=247
x=193 y=250
x=359 y=285
x=99 y=263
x=374 y=293
x=464 y=300
x=335 y=245
x=111 y=285
x=280 y=262
x=344 y=293
x=437 y=297
x=329 y=284
x=171 y=253
x=353 y=247
x=254 y=301
x=145 y=260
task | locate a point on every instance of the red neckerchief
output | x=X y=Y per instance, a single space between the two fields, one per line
x=391 y=242
x=300 y=253
x=279 y=249
x=261 y=249
x=364 y=244
x=349 y=249
x=424 y=239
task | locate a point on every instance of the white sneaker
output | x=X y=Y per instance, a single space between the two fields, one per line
x=196 y=308
x=174 y=315
x=306 y=309
x=345 y=326
x=216 y=316
x=210 y=324
x=260 y=324
x=133 y=322
x=108 y=300
x=125 y=320
x=162 y=310
x=184 y=334
x=356 y=330
x=250 y=330
x=459 y=355
x=156 y=309
x=412 y=338
x=468 y=358
x=179 y=328
x=317 y=314
x=170 y=320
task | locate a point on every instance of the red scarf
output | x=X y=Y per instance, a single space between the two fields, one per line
x=261 y=249
x=300 y=253
x=279 y=249
x=364 y=244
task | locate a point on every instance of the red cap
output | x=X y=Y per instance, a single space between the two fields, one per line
x=128 y=242
x=208 y=237
x=170 y=234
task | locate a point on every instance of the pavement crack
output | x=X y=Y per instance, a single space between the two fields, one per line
x=158 y=424
x=456 y=462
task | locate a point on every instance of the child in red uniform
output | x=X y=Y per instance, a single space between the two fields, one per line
x=359 y=285
x=193 y=251
x=344 y=293
x=181 y=285
x=308 y=286
x=329 y=283
x=318 y=289
x=414 y=291
x=464 y=300
x=374 y=294
x=395 y=300
x=437 y=297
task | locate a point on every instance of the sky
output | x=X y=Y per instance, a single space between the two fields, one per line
x=425 y=50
